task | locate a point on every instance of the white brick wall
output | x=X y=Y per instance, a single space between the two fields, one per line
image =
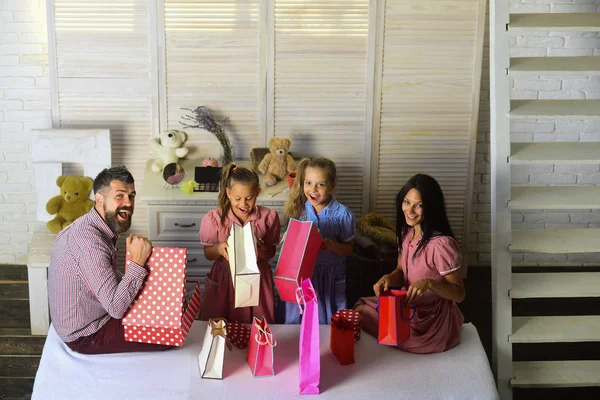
x=24 y=105
x=542 y=87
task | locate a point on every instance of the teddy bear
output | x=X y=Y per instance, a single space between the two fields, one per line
x=278 y=163
x=169 y=149
x=71 y=203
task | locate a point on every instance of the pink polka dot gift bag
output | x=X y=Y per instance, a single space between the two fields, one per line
x=158 y=314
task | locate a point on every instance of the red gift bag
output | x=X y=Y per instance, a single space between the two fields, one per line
x=297 y=258
x=260 y=355
x=157 y=314
x=394 y=317
x=341 y=338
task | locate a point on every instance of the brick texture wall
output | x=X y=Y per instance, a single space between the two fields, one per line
x=24 y=105
x=541 y=87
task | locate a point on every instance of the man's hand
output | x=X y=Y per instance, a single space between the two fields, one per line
x=139 y=249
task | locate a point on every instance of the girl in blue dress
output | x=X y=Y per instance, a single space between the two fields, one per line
x=311 y=200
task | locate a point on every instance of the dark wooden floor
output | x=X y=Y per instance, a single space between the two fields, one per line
x=20 y=352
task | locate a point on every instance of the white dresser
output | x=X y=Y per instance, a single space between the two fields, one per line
x=174 y=217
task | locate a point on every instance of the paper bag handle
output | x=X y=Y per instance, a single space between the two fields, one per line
x=300 y=297
x=216 y=330
x=414 y=312
x=269 y=338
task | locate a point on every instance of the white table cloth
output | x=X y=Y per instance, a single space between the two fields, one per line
x=380 y=372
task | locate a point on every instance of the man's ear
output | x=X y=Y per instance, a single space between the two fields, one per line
x=99 y=198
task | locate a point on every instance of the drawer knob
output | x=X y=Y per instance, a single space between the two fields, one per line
x=184 y=225
x=192 y=260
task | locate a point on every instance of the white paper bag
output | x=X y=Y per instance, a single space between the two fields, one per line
x=243 y=262
x=212 y=354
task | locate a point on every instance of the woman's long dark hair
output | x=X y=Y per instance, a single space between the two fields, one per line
x=435 y=220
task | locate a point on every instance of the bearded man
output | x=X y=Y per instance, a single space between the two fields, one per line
x=88 y=295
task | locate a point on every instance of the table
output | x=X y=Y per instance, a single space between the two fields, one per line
x=380 y=372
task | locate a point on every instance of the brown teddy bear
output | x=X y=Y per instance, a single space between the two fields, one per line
x=72 y=202
x=278 y=163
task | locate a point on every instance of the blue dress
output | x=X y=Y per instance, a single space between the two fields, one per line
x=335 y=222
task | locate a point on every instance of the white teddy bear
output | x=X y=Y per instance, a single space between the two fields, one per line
x=169 y=150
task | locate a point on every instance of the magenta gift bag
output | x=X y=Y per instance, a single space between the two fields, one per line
x=309 y=368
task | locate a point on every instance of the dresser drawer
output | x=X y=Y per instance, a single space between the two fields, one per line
x=198 y=266
x=175 y=223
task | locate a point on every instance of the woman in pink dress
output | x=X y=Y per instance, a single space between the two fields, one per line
x=237 y=205
x=428 y=265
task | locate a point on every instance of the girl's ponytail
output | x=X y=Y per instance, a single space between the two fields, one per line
x=294 y=206
x=224 y=204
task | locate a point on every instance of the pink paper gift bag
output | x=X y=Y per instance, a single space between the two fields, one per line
x=297 y=259
x=309 y=368
x=260 y=354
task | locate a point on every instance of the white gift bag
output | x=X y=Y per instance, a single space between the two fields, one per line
x=212 y=354
x=243 y=262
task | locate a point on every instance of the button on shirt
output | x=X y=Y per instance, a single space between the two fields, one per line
x=85 y=289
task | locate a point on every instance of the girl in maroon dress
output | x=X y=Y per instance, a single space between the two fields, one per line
x=428 y=267
x=237 y=205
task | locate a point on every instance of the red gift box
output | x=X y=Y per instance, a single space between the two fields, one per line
x=239 y=334
x=354 y=318
x=157 y=314
x=297 y=259
x=342 y=338
x=394 y=317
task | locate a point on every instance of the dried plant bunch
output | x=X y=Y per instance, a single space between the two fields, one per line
x=201 y=118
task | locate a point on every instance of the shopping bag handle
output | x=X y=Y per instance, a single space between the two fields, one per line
x=269 y=338
x=414 y=312
x=411 y=305
x=300 y=297
x=218 y=327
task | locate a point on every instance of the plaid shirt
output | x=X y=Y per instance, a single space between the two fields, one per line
x=85 y=289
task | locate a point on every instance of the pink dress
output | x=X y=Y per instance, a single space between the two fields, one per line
x=218 y=299
x=437 y=323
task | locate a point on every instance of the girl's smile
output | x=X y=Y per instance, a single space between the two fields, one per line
x=317 y=188
x=243 y=199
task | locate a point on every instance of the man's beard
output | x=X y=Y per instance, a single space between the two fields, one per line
x=113 y=222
